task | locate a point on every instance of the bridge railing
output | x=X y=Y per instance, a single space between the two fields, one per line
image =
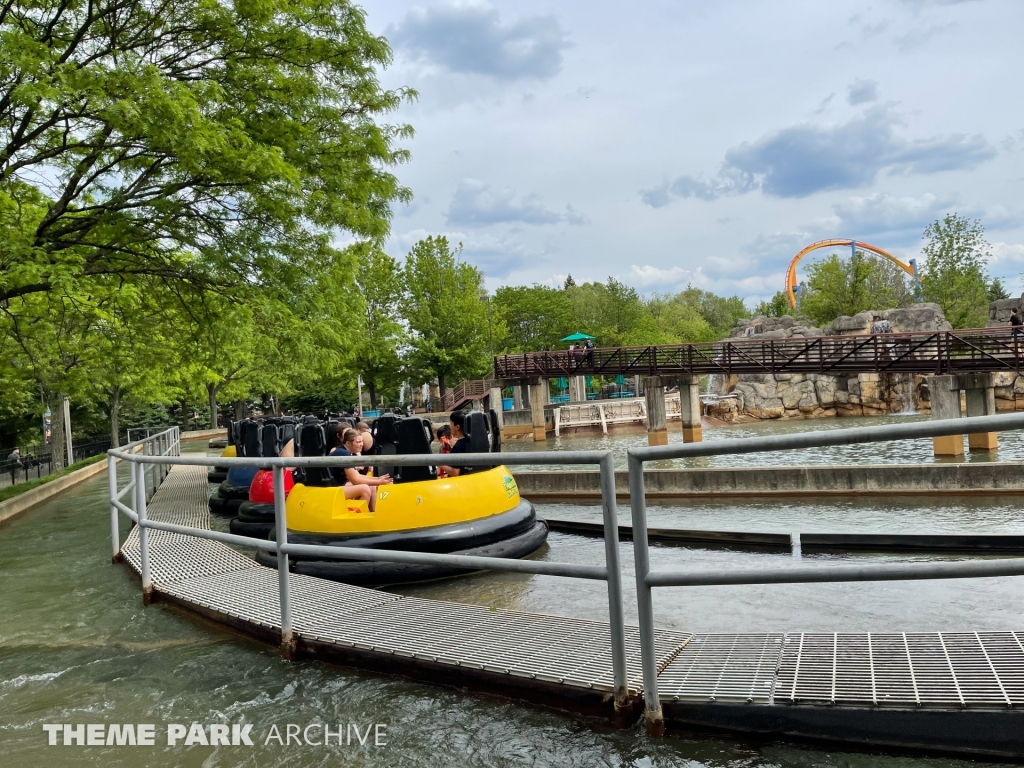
x=152 y=457
x=648 y=578
x=995 y=349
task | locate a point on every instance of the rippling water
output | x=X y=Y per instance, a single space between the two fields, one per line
x=77 y=646
x=623 y=437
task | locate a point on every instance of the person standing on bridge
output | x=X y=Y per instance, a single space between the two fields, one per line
x=1015 y=323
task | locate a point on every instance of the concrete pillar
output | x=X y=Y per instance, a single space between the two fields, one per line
x=537 y=402
x=945 y=396
x=577 y=389
x=636 y=386
x=980 y=395
x=494 y=401
x=657 y=424
x=690 y=411
x=520 y=397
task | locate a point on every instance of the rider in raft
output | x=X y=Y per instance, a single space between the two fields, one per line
x=357 y=486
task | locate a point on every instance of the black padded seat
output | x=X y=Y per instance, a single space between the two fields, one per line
x=385 y=441
x=311 y=441
x=495 y=431
x=270 y=441
x=249 y=431
x=414 y=438
x=475 y=427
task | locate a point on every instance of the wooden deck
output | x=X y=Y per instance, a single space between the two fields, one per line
x=957 y=692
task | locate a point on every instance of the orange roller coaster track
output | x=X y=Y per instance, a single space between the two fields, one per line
x=854 y=245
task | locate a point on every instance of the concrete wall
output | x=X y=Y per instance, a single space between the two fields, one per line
x=973 y=477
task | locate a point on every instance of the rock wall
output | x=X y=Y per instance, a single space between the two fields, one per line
x=999 y=311
x=812 y=396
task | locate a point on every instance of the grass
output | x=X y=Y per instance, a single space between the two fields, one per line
x=16 y=490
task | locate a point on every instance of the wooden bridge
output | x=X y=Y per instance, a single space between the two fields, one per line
x=942 y=352
x=960 y=692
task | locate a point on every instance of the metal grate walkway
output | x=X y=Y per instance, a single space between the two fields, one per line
x=911 y=670
x=211 y=575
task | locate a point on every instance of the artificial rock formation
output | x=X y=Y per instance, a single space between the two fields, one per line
x=786 y=396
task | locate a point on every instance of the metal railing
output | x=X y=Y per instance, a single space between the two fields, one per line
x=162 y=450
x=36 y=461
x=978 y=350
x=150 y=459
x=646 y=579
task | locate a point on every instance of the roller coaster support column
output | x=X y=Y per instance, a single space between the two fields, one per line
x=657 y=424
x=690 y=409
x=980 y=394
x=945 y=395
x=538 y=399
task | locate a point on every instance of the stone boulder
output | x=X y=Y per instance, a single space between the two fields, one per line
x=999 y=311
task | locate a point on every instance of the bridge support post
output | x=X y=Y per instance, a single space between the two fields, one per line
x=657 y=423
x=538 y=399
x=945 y=396
x=578 y=389
x=690 y=411
x=519 y=397
x=980 y=394
x=494 y=401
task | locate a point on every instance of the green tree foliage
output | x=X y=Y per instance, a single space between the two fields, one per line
x=955 y=276
x=838 y=286
x=379 y=336
x=447 y=320
x=776 y=306
x=212 y=144
x=530 y=318
x=997 y=291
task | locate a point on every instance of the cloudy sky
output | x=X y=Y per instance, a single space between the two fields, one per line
x=667 y=143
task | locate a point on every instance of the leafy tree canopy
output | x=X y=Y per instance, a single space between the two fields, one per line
x=955 y=274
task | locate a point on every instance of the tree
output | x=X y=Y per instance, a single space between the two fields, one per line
x=531 y=318
x=776 y=306
x=838 y=286
x=997 y=291
x=445 y=315
x=206 y=144
x=380 y=283
x=609 y=311
x=955 y=276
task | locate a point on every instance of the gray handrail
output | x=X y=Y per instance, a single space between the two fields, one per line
x=163 y=450
x=646 y=579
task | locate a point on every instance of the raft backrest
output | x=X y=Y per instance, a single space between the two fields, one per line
x=270 y=441
x=250 y=442
x=312 y=442
x=234 y=436
x=495 y=431
x=385 y=440
x=287 y=433
x=414 y=438
x=475 y=427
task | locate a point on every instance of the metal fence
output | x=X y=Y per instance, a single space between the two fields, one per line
x=151 y=457
x=37 y=461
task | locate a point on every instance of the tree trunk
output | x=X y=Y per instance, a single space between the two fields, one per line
x=212 y=391
x=440 y=385
x=114 y=405
x=58 y=440
x=373 y=394
x=239 y=406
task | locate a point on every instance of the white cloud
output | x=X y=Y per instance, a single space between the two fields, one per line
x=654 y=277
x=1006 y=254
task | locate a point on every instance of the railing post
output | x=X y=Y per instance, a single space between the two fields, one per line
x=115 y=533
x=615 y=615
x=140 y=510
x=654 y=719
x=281 y=523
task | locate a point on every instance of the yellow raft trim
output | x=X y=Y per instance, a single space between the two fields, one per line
x=404 y=506
x=229 y=452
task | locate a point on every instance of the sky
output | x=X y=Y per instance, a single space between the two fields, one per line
x=704 y=143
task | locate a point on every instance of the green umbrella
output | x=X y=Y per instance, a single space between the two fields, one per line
x=577 y=337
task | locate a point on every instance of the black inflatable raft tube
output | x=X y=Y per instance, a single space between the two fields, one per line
x=370 y=573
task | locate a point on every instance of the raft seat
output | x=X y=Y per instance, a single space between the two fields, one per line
x=414 y=437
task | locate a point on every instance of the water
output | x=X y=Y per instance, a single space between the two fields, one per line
x=77 y=646
x=622 y=437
